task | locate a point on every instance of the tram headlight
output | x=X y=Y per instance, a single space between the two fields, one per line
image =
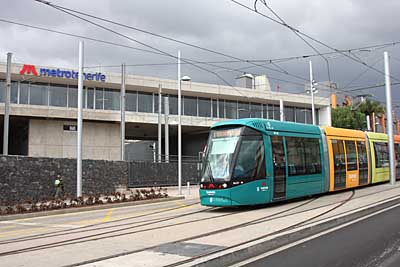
x=224 y=185
x=201 y=185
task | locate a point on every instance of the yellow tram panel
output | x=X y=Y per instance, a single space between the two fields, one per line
x=348 y=158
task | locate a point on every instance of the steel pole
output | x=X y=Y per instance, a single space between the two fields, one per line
x=7 y=106
x=312 y=94
x=179 y=127
x=159 y=122
x=389 y=120
x=166 y=134
x=79 y=123
x=123 y=84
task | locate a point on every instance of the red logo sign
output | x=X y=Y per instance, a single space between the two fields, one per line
x=28 y=69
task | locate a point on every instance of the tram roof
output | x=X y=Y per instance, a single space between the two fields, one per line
x=377 y=136
x=264 y=125
x=332 y=131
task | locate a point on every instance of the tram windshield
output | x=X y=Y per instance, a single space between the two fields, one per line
x=220 y=151
x=236 y=153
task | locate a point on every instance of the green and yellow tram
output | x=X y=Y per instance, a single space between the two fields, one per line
x=256 y=161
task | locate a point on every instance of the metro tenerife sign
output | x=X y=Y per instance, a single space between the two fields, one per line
x=68 y=74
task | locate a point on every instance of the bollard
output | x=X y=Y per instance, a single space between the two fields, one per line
x=188 y=188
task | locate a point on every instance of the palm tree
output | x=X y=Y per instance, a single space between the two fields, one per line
x=369 y=107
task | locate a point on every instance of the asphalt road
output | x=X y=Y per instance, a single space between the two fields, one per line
x=371 y=242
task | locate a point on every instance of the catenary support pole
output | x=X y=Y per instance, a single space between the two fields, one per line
x=166 y=130
x=79 y=123
x=389 y=120
x=123 y=97
x=281 y=110
x=179 y=126
x=159 y=122
x=312 y=94
x=6 y=128
x=368 y=123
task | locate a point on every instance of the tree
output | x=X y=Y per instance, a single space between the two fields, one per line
x=345 y=117
x=368 y=107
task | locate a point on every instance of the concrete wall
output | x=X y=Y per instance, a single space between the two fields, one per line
x=47 y=138
x=27 y=178
x=32 y=178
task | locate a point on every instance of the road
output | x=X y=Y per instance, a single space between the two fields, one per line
x=371 y=242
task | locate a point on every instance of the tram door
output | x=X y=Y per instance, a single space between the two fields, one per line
x=279 y=165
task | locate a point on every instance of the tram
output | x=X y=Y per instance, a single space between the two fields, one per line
x=257 y=161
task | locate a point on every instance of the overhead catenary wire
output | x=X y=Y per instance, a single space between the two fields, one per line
x=267 y=61
x=311 y=38
x=298 y=35
x=74 y=12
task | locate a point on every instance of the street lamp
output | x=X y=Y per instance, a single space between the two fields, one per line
x=180 y=79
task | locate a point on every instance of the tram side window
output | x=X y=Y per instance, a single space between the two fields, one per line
x=397 y=153
x=351 y=155
x=381 y=154
x=363 y=162
x=304 y=155
x=250 y=163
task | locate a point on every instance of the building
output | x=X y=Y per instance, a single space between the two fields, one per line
x=44 y=99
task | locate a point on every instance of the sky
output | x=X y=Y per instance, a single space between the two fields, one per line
x=218 y=25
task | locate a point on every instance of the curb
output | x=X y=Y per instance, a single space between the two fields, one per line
x=270 y=243
x=87 y=208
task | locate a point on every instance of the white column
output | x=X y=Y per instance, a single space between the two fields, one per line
x=79 y=123
x=159 y=122
x=281 y=110
x=123 y=85
x=7 y=106
x=179 y=127
x=166 y=130
x=389 y=120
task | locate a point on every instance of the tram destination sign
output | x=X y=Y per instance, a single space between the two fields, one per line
x=60 y=73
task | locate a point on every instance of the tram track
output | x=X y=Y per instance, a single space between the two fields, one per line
x=95 y=237
x=273 y=216
x=86 y=227
x=259 y=220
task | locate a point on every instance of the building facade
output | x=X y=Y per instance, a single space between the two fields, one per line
x=43 y=112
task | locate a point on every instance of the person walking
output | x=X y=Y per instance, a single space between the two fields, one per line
x=59 y=187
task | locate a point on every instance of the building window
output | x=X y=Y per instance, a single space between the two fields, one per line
x=214 y=108
x=89 y=98
x=265 y=111
x=173 y=104
x=38 y=94
x=131 y=101
x=308 y=116
x=2 y=91
x=99 y=103
x=24 y=93
x=303 y=155
x=14 y=93
x=145 y=102
x=204 y=107
x=230 y=109
x=289 y=113
x=243 y=110
x=255 y=110
x=276 y=112
x=221 y=108
x=111 y=99
x=300 y=115
x=190 y=106
x=58 y=95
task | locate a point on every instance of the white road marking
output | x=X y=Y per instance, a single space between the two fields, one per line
x=40 y=224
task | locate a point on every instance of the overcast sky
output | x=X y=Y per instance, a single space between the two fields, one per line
x=219 y=25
